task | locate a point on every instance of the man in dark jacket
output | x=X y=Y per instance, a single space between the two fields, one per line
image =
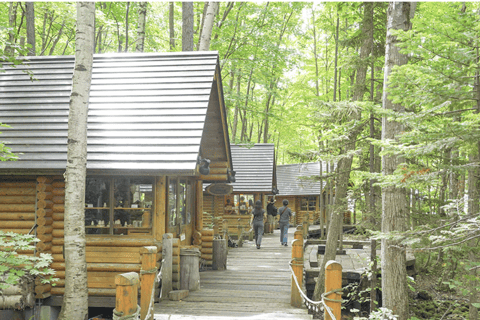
x=271 y=214
x=284 y=221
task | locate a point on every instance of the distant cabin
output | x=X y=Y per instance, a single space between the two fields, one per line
x=255 y=179
x=302 y=194
x=153 y=120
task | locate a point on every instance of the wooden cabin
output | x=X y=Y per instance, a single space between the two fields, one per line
x=153 y=119
x=255 y=179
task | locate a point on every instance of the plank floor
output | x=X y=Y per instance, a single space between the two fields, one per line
x=255 y=285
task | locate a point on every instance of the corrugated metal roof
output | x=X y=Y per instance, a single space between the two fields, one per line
x=147 y=111
x=289 y=181
x=254 y=167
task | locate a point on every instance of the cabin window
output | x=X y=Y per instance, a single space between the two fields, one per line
x=119 y=205
x=309 y=203
x=244 y=203
x=181 y=201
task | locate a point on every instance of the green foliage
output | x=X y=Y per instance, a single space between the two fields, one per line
x=14 y=266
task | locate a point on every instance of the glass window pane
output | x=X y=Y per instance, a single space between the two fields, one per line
x=97 y=203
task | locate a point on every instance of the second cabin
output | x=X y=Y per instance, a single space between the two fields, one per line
x=255 y=179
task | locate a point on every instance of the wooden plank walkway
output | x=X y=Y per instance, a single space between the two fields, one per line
x=256 y=285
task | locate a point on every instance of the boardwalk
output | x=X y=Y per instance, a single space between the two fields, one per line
x=256 y=285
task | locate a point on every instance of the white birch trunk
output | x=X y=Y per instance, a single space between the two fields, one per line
x=142 y=16
x=30 y=27
x=75 y=300
x=187 y=26
x=394 y=204
x=208 y=26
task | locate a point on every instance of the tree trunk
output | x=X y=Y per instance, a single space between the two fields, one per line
x=340 y=206
x=335 y=70
x=187 y=26
x=142 y=17
x=12 y=15
x=394 y=206
x=208 y=26
x=30 y=8
x=75 y=299
x=126 y=26
x=171 y=25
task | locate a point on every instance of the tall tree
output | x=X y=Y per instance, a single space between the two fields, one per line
x=75 y=299
x=394 y=201
x=171 y=25
x=206 y=36
x=30 y=8
x=142 y=17
x=187 y=26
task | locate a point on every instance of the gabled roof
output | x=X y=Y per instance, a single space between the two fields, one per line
x=148 y=112
x=290 y=182
x=255 y=168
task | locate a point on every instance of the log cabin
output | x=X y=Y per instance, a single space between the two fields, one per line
x=255 y=179
x=157 y=131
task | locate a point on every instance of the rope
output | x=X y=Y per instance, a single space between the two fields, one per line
x=119 y=315
x=308 y=301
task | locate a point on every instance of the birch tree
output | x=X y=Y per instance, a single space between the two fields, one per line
x=142 y=16
x=394 y=201
x=206 y=36
x=75 y=300
x=30 y=13
x=187 y=26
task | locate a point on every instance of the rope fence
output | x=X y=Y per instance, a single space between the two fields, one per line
x=316 y=306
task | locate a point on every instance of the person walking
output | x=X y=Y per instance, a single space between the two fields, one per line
x=284 y=222
x=258 y=215
x=271 y=214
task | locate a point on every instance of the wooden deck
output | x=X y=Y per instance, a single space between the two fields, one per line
x=256 y=285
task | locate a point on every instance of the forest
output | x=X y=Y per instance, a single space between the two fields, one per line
x=397 y=108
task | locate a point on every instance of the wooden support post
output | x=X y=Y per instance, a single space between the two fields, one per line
x=219 y=254
x=167 y=254
x=340 y=237
x=147 y=279
x=296 y=299
x=298 y=234
x=373 y=259
x=333 y=281
x=306 y=218
x=240 y=233
x=225 y=229
x=322 y=224
x=126 y=301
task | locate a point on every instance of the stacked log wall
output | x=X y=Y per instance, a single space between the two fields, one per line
x=107 y=256
x=176 y=264
x=17 y=205
x=207 y=243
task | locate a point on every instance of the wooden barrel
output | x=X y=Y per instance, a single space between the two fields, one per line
x=189 y=269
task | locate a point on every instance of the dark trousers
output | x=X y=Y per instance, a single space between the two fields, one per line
x=258 y=229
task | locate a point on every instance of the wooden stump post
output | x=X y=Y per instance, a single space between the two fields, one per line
x=126 y=301
x=147 y=279
x=333 y=281
x=298 y=234
x=167 y=254
x=296 y=299
x=225 y=229
x=219 y=254
x=240 y=233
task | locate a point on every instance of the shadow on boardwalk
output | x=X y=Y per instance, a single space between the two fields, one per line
x=256 y=285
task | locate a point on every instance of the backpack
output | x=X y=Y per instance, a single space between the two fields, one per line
x=274 y=211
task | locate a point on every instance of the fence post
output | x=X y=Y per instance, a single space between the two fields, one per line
x=296 y=299
x=147 y=279
x=167 y=256
x=126 y=301
x=298 y=234
x=333 y=281
x=240 y=233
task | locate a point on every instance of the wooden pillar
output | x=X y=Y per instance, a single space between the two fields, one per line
x=298 y=234
x=333 y=281
x=126 y=301
x=159 y=227
x=147 y=279
x=167 y=254
x=199 y=206
x=296 y=299
x=240 y=233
